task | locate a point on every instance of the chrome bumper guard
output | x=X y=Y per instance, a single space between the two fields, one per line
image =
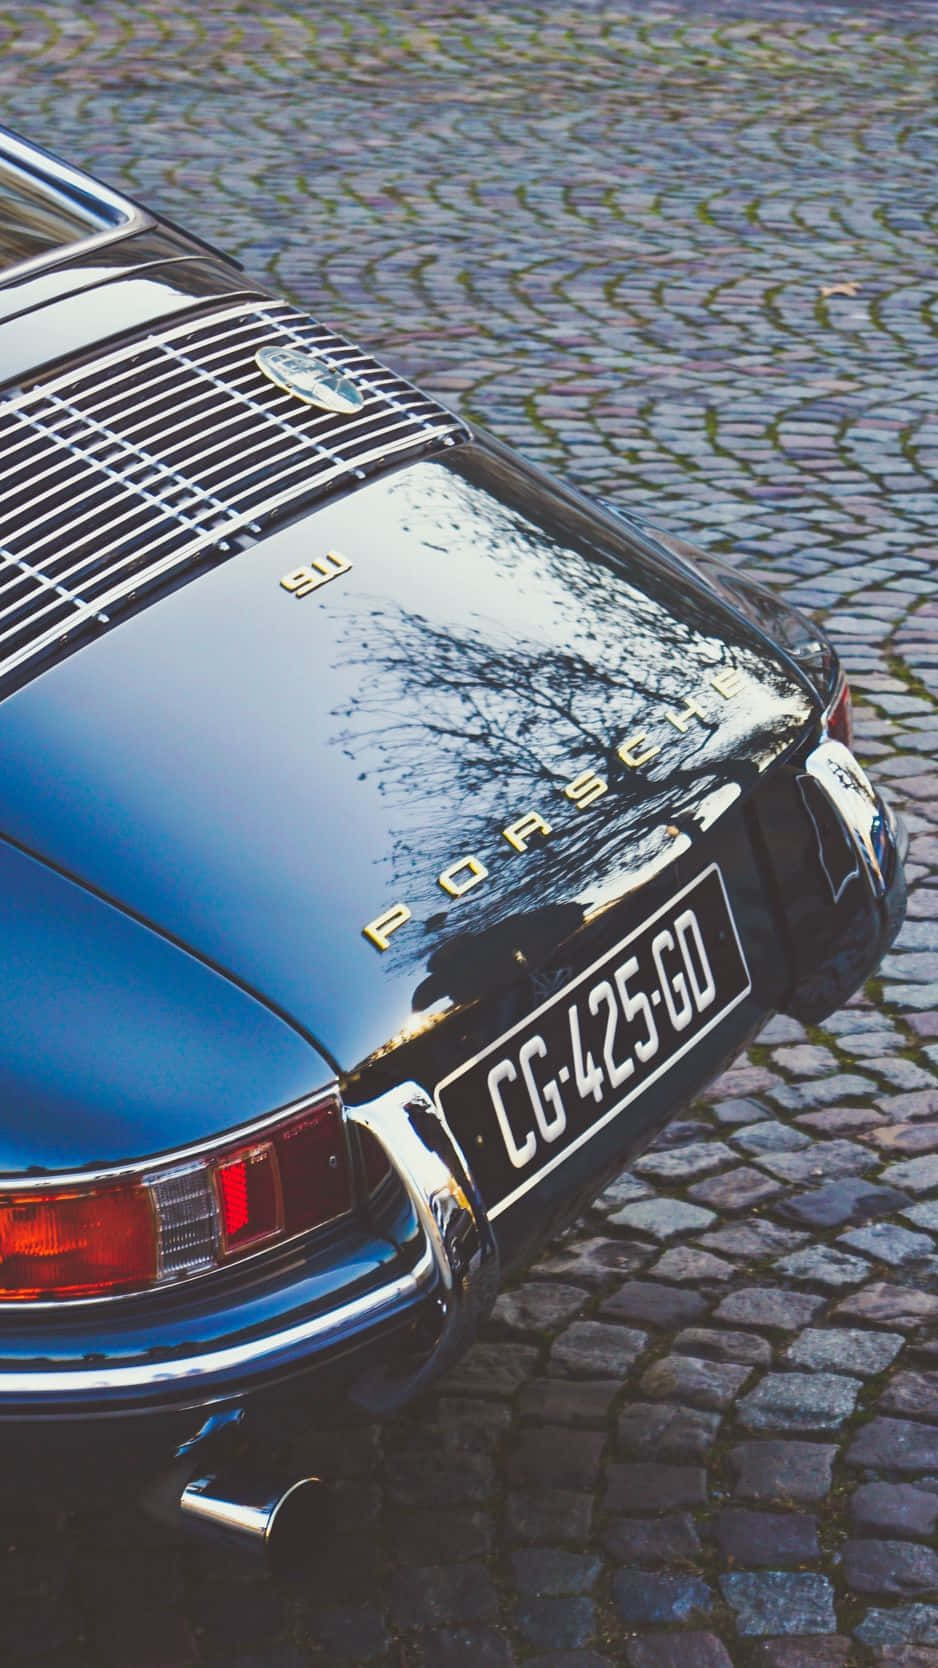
x=872 y=825
x=457 y=1231
x=841 y=924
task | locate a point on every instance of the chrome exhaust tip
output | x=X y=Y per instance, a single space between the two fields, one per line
x=274 y=1523
x=280 y=1528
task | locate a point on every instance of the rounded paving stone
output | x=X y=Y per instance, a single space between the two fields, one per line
x=590 y=1349
x=688 y=1649
x=669 y=1432
x=682 y=1378
x=562 y=1622
x=767 y=1539
x=890 y=1568
x=895 y=1445
x=783 y=1471
x=633 y=1488
x=768 y=1307
x=823 y=1265
x=653 y=1541
x=538 y=1306
x=780 y=1602
x=798 y=1402
x=641 y=1596
x=913 y=1624
x=823 y=1652
x=552 y=1571
x=912 y=1393
x=845 y=1349
x=891 y=1509
x=663 y=1219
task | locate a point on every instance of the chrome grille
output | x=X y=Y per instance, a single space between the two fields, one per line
x=120 y=472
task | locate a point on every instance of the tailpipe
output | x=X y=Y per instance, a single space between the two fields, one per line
x=278 y=1528
x=254 y=1516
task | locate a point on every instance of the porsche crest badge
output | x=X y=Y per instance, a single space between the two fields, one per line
x=309 y=378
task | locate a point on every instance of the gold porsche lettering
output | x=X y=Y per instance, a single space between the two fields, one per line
x=728 y=682
x=518 y=833
x=380 y=929
x=682 y=720
x=629 y=751
x=304 y=580
x=583 y=791
x=461 y=877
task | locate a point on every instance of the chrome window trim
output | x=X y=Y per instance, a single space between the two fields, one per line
x=78 y=190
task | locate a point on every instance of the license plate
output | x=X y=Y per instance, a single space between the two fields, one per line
x=529 y=1100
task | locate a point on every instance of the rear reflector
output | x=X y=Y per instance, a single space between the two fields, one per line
x=187 y=1220
x=96 y=1238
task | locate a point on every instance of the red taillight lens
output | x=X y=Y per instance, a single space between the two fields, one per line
x=77 y=1243
x=840 y=717
x=314 y=1168
x=249 y=1197
x=186 y=1217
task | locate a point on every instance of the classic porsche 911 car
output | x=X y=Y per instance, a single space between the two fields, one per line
x=391 y=842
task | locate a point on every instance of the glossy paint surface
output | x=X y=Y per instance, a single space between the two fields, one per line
x=115 y=1044
x=109 y=302
x=125 y=255
x=260 y=774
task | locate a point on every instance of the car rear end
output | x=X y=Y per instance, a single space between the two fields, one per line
x=411 y=840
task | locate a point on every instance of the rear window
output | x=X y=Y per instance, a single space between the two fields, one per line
x=36 y=218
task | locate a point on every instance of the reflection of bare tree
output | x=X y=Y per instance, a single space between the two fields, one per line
x=467 y=733
x=467 y=725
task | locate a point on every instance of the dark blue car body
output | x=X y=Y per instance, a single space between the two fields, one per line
x=256 y=842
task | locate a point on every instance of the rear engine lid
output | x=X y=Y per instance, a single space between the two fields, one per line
x=424 y=733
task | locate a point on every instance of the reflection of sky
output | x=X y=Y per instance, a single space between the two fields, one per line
x=492 y=662
x=519 y=579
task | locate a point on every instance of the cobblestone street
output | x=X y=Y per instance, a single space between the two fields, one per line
x=684 y=254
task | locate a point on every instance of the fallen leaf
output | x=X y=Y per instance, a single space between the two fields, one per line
x=848 y=288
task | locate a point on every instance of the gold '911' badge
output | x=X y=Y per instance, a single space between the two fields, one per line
x=304 y=580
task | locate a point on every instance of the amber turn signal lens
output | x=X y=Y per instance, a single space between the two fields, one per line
x=76 y=1243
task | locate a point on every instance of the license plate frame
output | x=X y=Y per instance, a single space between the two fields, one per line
x=469 y=1106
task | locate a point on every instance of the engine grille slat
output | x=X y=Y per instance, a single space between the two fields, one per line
x=123 y=471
